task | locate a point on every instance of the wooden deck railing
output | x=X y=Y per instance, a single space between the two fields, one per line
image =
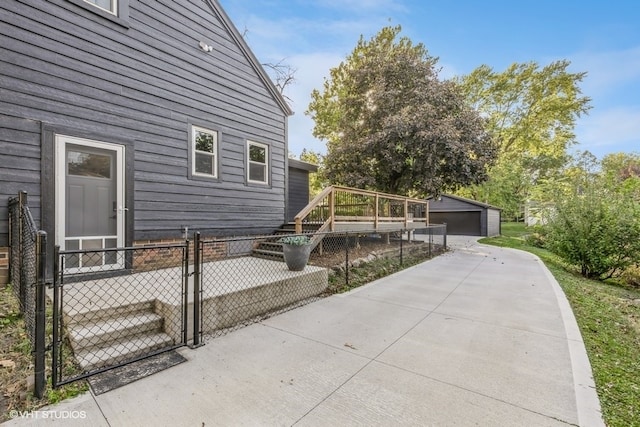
x=343 y=205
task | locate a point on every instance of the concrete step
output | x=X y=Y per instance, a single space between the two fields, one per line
x=84 y=336
x=93 y=313
x=122 y=350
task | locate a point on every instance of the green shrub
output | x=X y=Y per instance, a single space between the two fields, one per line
x=631 y=275
x=537 y=238
x=596 y=229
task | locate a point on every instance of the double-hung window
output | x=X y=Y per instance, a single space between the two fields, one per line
x=204 y=145
x=257 y=163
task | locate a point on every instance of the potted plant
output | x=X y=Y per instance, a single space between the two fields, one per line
x=296 y=251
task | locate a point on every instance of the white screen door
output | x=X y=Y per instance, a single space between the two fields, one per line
x=90 y=212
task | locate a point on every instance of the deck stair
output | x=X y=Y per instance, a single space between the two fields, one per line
x=272 y=248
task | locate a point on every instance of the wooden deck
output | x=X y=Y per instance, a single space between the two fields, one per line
x=380 y=227
x=349 y=209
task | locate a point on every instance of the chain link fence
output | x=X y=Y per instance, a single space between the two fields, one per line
x=357 y=258
x=23 y=259
x=115 y=306
x=243 y=280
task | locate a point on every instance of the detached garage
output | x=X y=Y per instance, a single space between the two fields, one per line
x=465 y=216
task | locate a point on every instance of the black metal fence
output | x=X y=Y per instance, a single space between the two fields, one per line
x=243 y=280
x=115 y=306
x=27 y=275
x=23 y=259
x=356 y=258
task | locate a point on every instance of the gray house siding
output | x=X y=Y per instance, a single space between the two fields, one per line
x=19 y=166
x=493 y=222
x=298 y=186
x=66 y=69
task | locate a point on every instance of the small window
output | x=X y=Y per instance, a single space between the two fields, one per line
x=205 y=152
x=88 y=164
x=258 y=163
x=110 y=6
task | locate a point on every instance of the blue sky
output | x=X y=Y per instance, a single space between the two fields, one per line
x=601 y=38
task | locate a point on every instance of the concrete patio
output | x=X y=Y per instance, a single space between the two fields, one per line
x=116 y=318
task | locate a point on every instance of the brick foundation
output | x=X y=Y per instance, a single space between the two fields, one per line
x=155 y=256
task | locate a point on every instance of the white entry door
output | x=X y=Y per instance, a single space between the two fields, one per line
x=90 y=211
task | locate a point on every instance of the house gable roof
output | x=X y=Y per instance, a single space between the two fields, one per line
x=298 y=164
x=217 y=9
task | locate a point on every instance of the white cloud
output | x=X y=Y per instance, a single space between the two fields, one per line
x=612 y=81
x=615 y=127
x=607 y=70
x=287 y=36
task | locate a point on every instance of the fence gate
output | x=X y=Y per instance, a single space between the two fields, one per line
x=106 y=316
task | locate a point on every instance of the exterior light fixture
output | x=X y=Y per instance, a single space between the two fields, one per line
x=205 y=47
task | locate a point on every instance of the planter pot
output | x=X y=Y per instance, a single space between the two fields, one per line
x=296 y=256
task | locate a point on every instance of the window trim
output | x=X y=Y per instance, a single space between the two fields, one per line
x=113 y=11
x=193 y=129
x=120 y=17
x=267 y=162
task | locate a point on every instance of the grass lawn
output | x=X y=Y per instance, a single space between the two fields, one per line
x=16 y=364
x=608 y=315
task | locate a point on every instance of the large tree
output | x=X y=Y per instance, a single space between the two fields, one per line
x=531 y=112
x=392 y=125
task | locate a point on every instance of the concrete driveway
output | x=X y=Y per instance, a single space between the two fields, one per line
x=480 y=336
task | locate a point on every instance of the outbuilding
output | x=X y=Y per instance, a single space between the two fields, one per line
x=298 y=188
x=465 y=216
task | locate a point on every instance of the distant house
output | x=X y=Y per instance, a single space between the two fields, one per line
x=465 y=216
x=136 y=121
x=538 y=213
